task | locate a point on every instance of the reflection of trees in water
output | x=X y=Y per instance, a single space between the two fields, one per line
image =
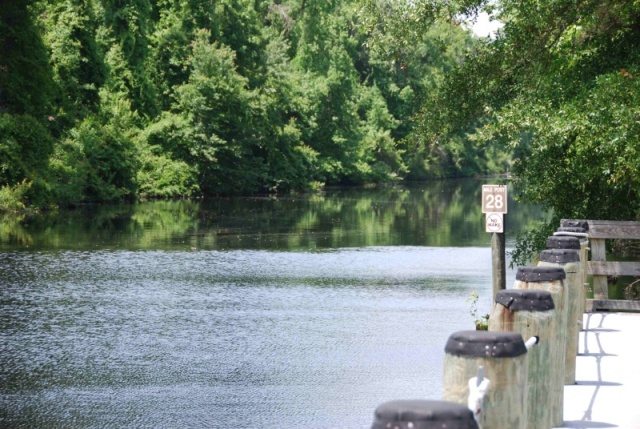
x=443 y=213
x=12 y=231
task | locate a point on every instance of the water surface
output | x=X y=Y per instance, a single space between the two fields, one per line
x=249 y=312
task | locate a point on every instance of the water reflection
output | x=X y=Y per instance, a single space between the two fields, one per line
x=445 y=213
x=199 y=314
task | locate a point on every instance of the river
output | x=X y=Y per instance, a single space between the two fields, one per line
x=296 y=311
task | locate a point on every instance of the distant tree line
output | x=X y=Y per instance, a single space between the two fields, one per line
x=104 y=100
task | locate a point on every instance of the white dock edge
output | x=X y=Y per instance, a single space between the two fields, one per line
x=607 y=393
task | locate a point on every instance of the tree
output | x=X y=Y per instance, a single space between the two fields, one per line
x=75 y=57
x=558 y=88
x=26 y=86
x=161 y=98
x=25 y=74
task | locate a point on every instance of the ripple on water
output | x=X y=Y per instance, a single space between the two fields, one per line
x=209 y=338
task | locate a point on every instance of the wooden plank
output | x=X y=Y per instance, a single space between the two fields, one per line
x=612 y=222
x=600 y=285
x=629 y=230
x=613 y=304
x=601 y=223
x=602 y=268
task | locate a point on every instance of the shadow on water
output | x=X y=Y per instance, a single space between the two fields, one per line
x=443 y=213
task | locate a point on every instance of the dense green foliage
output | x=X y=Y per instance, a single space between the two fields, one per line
x=115 y=99
x=558 y=89
x=568 y=103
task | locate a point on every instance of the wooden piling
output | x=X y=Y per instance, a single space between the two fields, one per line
x=600 y=283
x=498 y=262
x=569 y=261
x=503 y=356
x=530 y=313
x=584 y=266
x=551 y=279
x=578 y=231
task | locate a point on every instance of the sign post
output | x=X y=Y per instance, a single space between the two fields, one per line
x=494 y=205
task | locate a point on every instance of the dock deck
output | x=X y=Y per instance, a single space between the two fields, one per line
x=607 y=393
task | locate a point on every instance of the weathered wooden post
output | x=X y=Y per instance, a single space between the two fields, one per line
x=569 y=260
x=584 y=267
x=530 y=313
x=504 y=358
x=551 y=279
x=423 y=414
x=578 y=229
x=498 y=261
x=581 y=246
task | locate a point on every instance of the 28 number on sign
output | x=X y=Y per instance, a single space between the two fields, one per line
x=495 y=203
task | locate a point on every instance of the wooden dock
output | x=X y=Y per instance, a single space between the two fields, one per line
x=607 y=374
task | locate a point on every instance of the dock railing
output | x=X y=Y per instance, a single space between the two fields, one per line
x=599 y=268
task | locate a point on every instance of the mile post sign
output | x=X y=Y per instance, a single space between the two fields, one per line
x=494 y=205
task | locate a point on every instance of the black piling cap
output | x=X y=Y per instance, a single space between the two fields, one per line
x=563 y=242
x=423 y=414
x=485 y=344
x=540 y=274
x=525 y=300
x=560 y=256
x=571 y=229
x=575 y=223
